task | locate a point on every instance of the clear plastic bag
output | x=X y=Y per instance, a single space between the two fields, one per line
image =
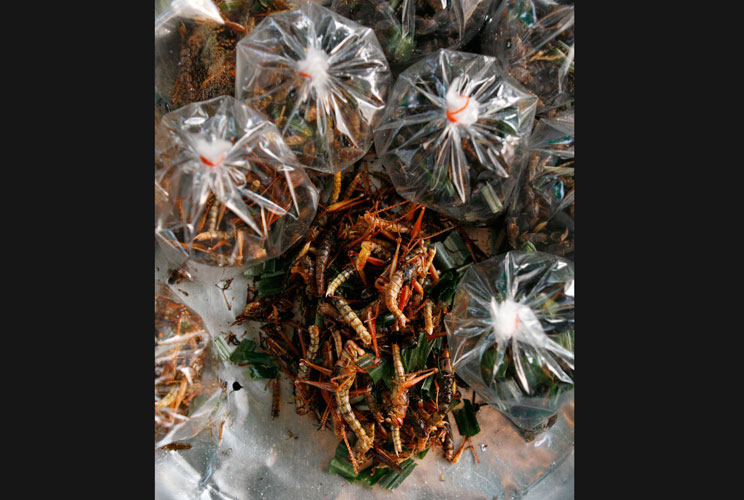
x=541 y=214
x=183 y=29
x=410 y=29
x=321 y=78
x=511 y=334
x=230 y=193
x=453 y=136
x=188 y=392
x=195 y=43
x=534 y=39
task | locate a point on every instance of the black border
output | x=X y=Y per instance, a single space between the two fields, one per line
x=88 y=414
x=647 y=167
x=84 y=97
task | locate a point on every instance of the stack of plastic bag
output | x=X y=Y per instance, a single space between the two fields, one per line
x=511 y=334
x=453 y=136
x=229 y=192
x=321 y=78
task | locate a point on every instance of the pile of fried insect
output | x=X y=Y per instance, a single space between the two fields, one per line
x=363 y=279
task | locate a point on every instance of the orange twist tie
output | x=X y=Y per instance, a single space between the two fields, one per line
x=450 y=113
x=207 y=162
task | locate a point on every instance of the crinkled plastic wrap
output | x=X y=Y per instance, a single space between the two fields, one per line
x=534 y=39
x=321 y=78
x=541 y=214
x=511 y=334
x=410 y=29
x=188 y=392
x=229 y=192
x=453 y=135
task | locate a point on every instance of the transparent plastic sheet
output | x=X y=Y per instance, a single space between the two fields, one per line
x=321 y=78
x=453 y=136
x=188 y=393
x=541 y=214
x=410 y=29
x=229 y=192
x=511 y=335
x=254 y=456
x=534 y=39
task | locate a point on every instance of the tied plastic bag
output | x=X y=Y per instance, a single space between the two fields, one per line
x=190 y=40
x=453 y=135
x=188 y=393
x=541 y=215
x=321 y=78
x=534 y=39
x=511 y=334
x=410 y=29
x=230 y=193
x=195 y=43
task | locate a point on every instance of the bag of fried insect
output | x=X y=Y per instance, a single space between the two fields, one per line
x=453 y=136
x=412 y=29
x=230 y=192
x=541 y=214
x=190 y=54
x=195 y=43
x=321 y=78
x=188 y=393
x=534 y=40
x=511 y=335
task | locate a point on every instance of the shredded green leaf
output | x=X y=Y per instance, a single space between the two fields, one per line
x=373 y=478
x=340 y=464
x=365 y=361
x=442 y=259
x=393 y=479
x=415 y=359
x=467 y=424
x=253 y=271
x=566 y=339
x=262 y=371
x=319 y=322
x=445 y=289
x=270 y=283
x=528 y=246
x=260 y=364
x=486 y=366
x=383 y=476
x=223 y=351
x=269 y=276
x=385 y=320
x=376 y=372
x=457 y=249
x=384 y=371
